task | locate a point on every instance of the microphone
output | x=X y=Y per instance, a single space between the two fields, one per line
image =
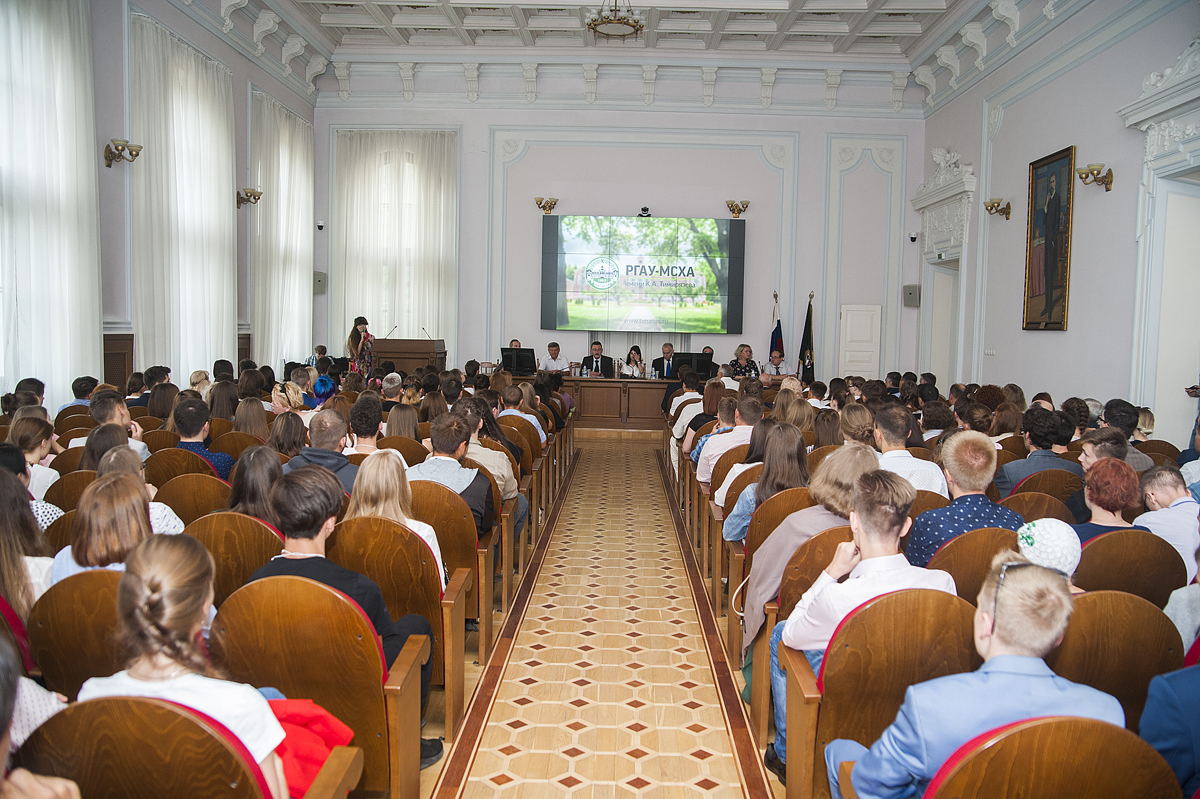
x=393 y=330
x=426 y=332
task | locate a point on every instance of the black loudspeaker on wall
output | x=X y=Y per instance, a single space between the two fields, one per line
x=912 y=296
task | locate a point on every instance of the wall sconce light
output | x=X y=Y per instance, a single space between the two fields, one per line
x=120 y=150
x=546 y=204
x=1091 y=174
x=736 y=208
x=248 y=196
x=993 y=207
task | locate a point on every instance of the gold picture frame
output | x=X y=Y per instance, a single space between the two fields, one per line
x=1048 y=253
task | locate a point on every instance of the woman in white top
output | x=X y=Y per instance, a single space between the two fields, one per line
x=34 y=437
x=163 y=520
x=112 y=517
x=754 y=456
x=163 y=599
x=633 y=366
x=24 y=550
x=381 y=489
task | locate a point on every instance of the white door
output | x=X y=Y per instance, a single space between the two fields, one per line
x=858 y=340
x=939 y=322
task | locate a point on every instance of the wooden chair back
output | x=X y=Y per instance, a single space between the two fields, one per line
x=725 y=463
x=679 y=410
x=923 y=453
x=137 y=411
x=70 y=410
x=820 y=454
x=59 y=532
x=76 y=421
x=72 y=631
x=194 y=495
x=357 y=457
x=498 y=447
x=67 y=461
x=768 y=516
x=1025 y=759
x=705 y=429
x=423 y=430
x=156 y=440
x=1003 y=458
x=1134 y=561
x=1057 y=483
x=1160 y=447
x=169 y=463
x=234 y=443
x=126 y=746
x=1033 y=506
x=1161 y=459
x=1116 y=643
x=878 y=651
x=74 y=434
x=239 y=545
x=1071 y=455
x=926 y=500
x=968 y=558
x=1015 y=444
x=351 y=396
x=403 y=567
x=517 y=435
x=740 y=483
x=810 y=438
x=219 y=427
x=806 y=565
x=497 y=498
x=528 y=434
x=457 y=537
x=148 y=422
x=412 y=451
x=66 y=490
x=265 y=635
x=1075 y=446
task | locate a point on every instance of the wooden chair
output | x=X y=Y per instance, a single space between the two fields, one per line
x=1057 y=483
x=194 y=495
x=156 y=440
x=219 y=427
x=923 y=453
x=166 y=464
x=968 y=558
x=1071 y=455
x=265 y=635
x=1162 y=460
x=72 y=631
x=810 y=438
x=234 y=443
x=1134 y=561
x=1160 y=447
x=1116 y=643
x=66 y=490
x=67 y=461
x=802 y=570
x=126 y=746
x=59 y=533
x=74 y=421
x=1015 y=444
x=423 y=430
x=504 y=521
x=818 y=455
x=239 y=545
x=522 y=432
x=148 y=422
x=70 y=410
x=403 y=567
x=137 y=411
x=412 y=451
x=357 y=457
x=1026 y=759
x=926 y=500
x=718 y=514
x=75 y=433
x=1004 y=457
x=1033 y=506
x=878 y=651
x=351 y=396
x=461 y=547
x=1075 y=446
x=708 y=543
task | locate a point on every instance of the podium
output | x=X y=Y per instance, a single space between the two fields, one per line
x=409 y=353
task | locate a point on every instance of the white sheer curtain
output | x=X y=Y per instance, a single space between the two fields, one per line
x=184 y=248
x=49 y=206
x=281 y=241
x=396 y=235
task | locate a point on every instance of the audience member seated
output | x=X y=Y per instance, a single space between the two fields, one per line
x=34 y=437
x=449 y=435
x=1123 y=416
x=832 y=490
x=726 y=415
x=153 y=376
x=403 y=420
x=307 y=501
x=542 y=390
x=328 y=434
x=1052 y=544
x=748 y=413
x=699 y=414
x=785 y=465
x=892 y=427
x=163 y=399
x=163 y=600
x=675 y=384
x=968 y=463
x=492 y=429
x=251 y=481
x=98 y=442
x=856 y=423
x=476 y=412
x=299 y=378
x=37 y=705
x=691 y=390
x=288 y=435
x=122 y=460
x=81 y=389
x=871 y=564
x=108 y=407
x=936 y=417
x=191 y=422
x=1171 y=724
x=25 y=554
x=827 y=427
x=250 y=417
x=1041 y=432
x=512 y=398
x=1006 y=422
x=13 y=460
x=1171 y=512
x=1022 y=614
x=1110 y=487
x=12 y=402
x=112 y=517
x=382 y=490
x=754 y=455
x=393 y=387
x=366 y=419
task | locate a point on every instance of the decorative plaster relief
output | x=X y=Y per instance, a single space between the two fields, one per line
x=972 y=36
x=1185 y=66
x=407 y=78
x=267 y=23
x=1007 y=12
x=590 y=72
x=316 y=65
x=947 y=57
x=899 y=84
x=530 y=72
x=924 y=76
x=1049 y=11
x=342 y=70
x=227 y=9
x=648 y=75
x=510 y=148
x=472 y=73
x=293 y=47
x=945 y=203
x=768 y=85
x=833 y=79
x=709 y=77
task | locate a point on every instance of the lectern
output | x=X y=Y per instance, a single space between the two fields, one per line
x=409 y=353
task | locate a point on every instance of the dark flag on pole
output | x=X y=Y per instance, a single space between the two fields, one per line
x=805 y=368
x=777 y=333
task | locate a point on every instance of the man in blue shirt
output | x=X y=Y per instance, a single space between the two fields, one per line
x=511 y=398
x=81 y=389
x=191 y=422
x=968 y=461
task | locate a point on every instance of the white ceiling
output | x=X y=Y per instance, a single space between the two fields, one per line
x=847 y=29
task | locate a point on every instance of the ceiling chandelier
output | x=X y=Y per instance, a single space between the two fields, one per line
x=617 y=20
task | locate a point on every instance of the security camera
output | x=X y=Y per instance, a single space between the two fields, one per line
x=911 y=236
x=321 y=226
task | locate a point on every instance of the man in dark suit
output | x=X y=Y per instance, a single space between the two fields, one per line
x=662 y=366
x=1041 y=433
x=152 y=376
x=1050 y=220
x=1171 y=723
x=598 y=364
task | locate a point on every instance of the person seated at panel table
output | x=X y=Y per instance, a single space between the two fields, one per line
x=554 y=362
x=662 y=366
x=633 y=365
x=1022 y=613
x=598 y=364
x=872 y=565
x=743 y=364
x=775 y=365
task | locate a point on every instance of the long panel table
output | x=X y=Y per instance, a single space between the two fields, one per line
x=617 y=404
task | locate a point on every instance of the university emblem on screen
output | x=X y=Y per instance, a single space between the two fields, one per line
x=602 y=273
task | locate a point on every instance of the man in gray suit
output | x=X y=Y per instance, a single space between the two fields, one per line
x=1041 y=433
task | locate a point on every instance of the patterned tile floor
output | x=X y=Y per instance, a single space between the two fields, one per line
x=608 y=690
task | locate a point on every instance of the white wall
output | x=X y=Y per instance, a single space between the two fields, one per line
x=1063 y=90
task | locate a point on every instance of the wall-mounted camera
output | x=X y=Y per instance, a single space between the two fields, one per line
x=912 y=236
x=320 y=224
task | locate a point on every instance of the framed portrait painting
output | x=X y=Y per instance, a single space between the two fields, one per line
x=1048 y=241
